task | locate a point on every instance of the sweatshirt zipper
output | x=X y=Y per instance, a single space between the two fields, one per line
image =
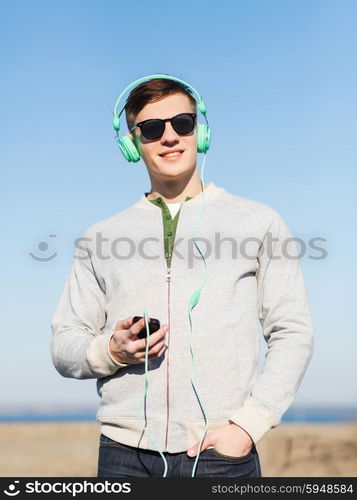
x=168 y=280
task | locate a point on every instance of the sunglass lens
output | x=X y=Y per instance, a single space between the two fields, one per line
x=153 y=129
x=183 y=124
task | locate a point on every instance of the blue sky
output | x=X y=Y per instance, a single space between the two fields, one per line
x=279 y=82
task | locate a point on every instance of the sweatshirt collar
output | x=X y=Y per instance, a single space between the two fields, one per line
x=211 y=192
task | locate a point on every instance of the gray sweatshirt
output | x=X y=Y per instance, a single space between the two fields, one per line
x=254 y=283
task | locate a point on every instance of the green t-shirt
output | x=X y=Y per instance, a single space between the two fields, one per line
x=170 y=225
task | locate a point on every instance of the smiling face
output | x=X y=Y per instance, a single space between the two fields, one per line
x=160 y=164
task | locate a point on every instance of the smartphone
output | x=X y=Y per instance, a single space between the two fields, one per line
x=154 y=325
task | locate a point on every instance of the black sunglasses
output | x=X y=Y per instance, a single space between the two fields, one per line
x=152 y=129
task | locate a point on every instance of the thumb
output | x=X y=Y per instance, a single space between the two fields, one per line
x=192 y=452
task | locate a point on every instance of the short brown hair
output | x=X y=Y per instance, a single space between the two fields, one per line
x=152 y=91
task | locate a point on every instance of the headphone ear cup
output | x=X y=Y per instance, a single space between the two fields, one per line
x=128 y=148
x=203 y=138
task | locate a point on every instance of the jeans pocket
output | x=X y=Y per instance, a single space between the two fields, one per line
x=242 y=458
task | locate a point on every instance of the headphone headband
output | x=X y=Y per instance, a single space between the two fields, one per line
x=193 y=92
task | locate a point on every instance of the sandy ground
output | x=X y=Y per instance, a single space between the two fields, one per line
x=71 y=450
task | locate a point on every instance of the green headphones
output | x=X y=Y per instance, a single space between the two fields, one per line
x=127 y=146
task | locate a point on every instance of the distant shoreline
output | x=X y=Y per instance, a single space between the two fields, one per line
x=294 y=415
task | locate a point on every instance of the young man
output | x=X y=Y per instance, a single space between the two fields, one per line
x=149 y=263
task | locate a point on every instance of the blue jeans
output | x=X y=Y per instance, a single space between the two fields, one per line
x=119 y=460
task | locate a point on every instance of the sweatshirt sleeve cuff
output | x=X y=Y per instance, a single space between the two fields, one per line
x=99 y=357
x=254 y=419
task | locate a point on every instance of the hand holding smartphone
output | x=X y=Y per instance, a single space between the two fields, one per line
x=129 y=347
